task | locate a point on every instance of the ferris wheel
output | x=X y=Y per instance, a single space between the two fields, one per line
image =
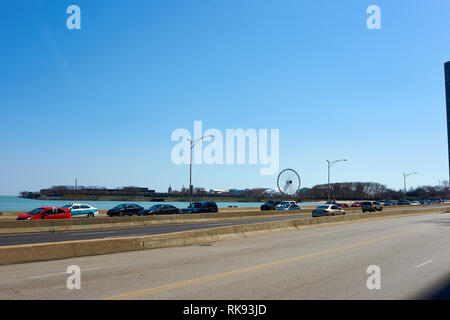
x=288 y=182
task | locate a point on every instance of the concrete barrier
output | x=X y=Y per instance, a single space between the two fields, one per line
x=71 y=249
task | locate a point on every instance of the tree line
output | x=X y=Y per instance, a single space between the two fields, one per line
x=372 y=191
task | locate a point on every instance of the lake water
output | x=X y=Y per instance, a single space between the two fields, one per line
x=11 y=203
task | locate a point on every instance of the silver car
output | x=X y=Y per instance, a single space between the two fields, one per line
x=327 y=210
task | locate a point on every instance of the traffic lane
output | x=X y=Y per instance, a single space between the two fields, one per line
x=413 y=260
x=324 y=263
x=31 y=238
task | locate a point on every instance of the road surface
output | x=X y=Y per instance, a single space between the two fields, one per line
x=29 y=238
x=330 y=262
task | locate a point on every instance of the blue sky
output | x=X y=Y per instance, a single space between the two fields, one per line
x=99 y=104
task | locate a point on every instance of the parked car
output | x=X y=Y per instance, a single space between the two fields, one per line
x=271 y=204
x=404 y=202
x=356 y=204
x=284 y=202
x=415 y=203
x=45 y=213
x=125 y=209
x=371 y=206
x=201 y=207
x=343 y=205
x=391 y=203
x=79 y=210
x=289 y=205
x=327 y=210
x=159 y=209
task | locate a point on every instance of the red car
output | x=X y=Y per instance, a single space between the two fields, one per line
x=343 y=205
x=356 y=204
x=46 y=213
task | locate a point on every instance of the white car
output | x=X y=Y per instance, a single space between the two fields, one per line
x=81 y=210
x=415 y=203
x=288 y=205
x=327 y=210
x=284 y=203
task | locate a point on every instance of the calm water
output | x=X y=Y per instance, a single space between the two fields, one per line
x=11 y=203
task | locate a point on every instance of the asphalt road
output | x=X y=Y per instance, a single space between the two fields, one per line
x=330 y=262
x=29 y=238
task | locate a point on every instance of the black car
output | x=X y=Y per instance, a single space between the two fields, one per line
x=126 y=209
x=271 y=204
x=201 y=207
x=159 y=209
x=404 y=202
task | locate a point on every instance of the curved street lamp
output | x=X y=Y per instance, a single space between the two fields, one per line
x=331 y=163
x=193 y=143
x=404 y=180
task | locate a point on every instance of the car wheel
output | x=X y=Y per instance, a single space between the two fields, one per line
x=90 y=215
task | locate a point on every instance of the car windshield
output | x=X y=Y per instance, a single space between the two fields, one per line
x=120 y=206
x=36 y=211
x=195 y=205
x=155 y=207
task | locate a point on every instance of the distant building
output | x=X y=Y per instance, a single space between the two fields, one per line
x=216 y=191
x=447 y=95
x=61 y=191
x=170 y=189
x=238 y=192
x=199 y=190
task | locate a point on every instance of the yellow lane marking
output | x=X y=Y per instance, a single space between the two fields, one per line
x=176 y=285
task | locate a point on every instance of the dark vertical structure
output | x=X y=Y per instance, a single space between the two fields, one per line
x=447 y=97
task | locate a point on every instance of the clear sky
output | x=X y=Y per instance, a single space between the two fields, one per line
x=100 y=104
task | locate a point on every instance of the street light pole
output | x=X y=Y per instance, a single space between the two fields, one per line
x=404 y=180
x=330 y=163
x=193 y=142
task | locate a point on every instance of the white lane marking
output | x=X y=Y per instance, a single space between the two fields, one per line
x=424 y=263
x=219 y=224
x=86 y=233
x=128 y=235
x=59 y=273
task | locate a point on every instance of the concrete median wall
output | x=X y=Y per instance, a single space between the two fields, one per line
x=71 y=249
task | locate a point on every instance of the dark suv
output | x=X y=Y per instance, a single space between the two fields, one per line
x=371 y=206
x=201 y=207
x=271 y=204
